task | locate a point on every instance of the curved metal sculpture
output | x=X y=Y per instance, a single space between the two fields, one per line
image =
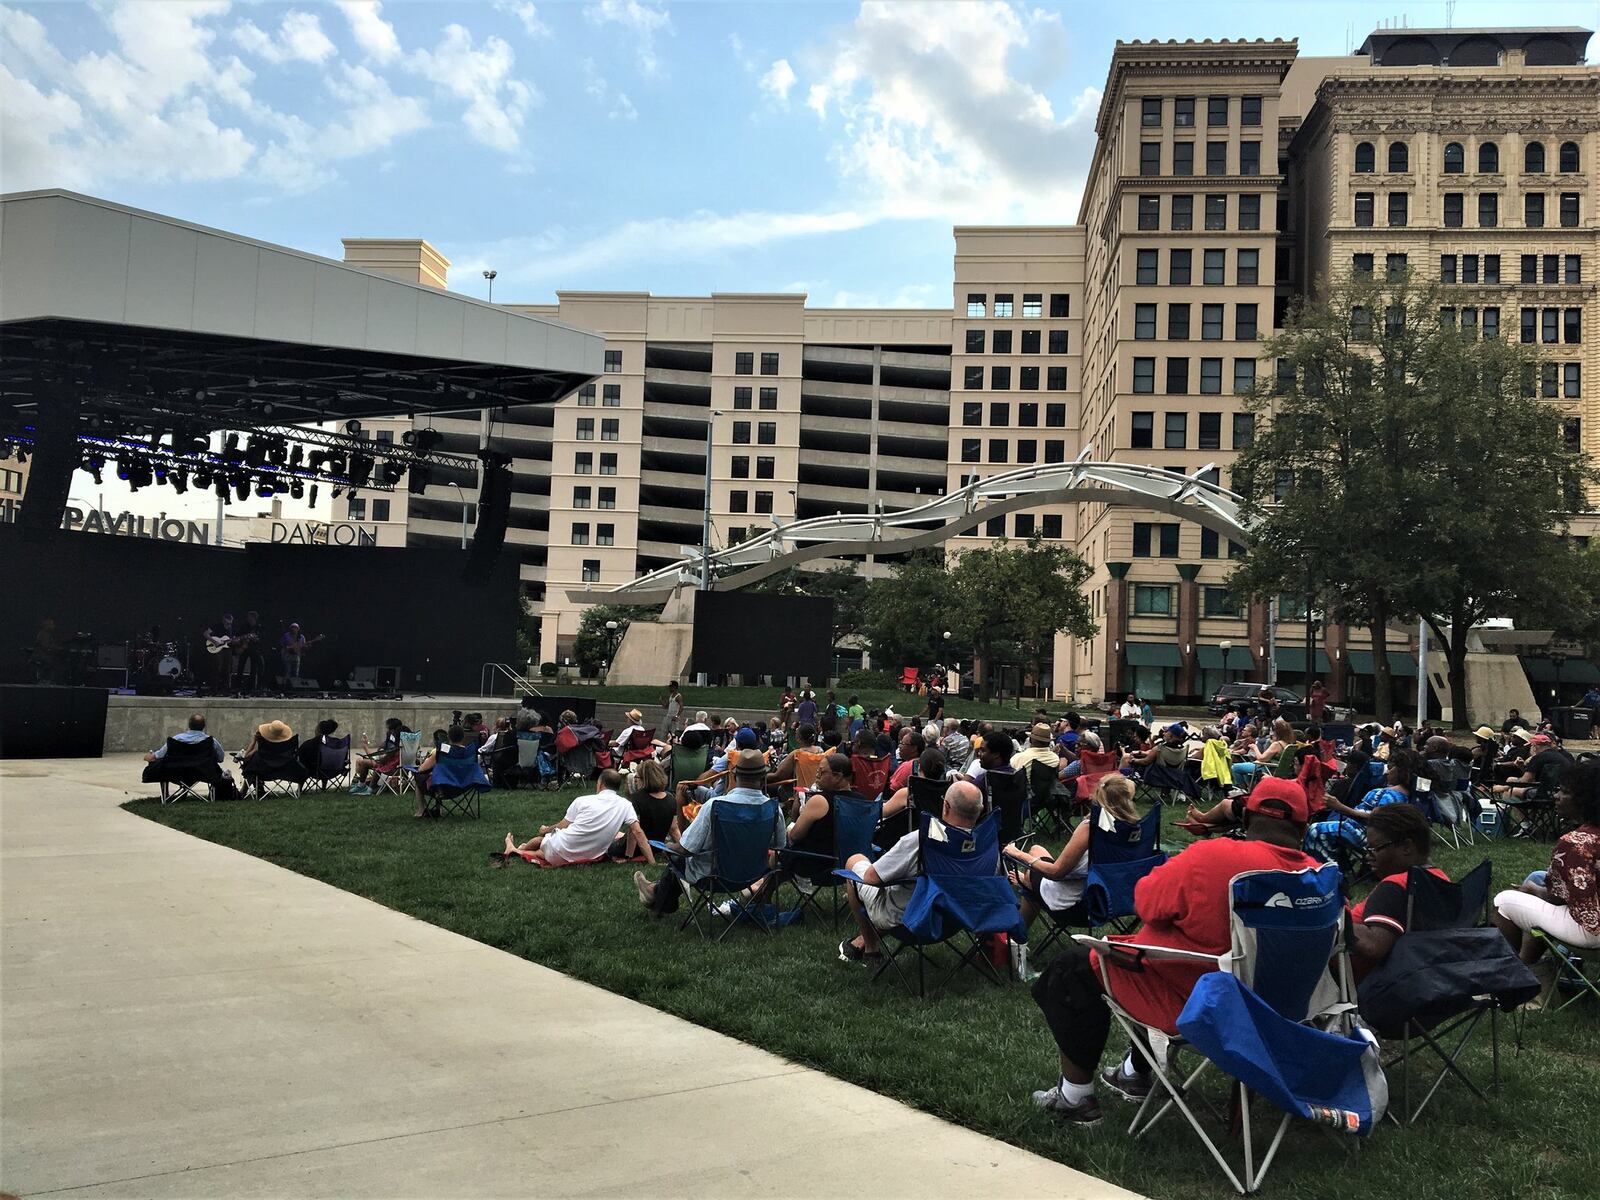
x=784 y=546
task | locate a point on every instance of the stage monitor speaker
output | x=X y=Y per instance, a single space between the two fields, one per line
x=363 y=674
x=387 y=679
x=362 y=687
x=304 y=685
x=494 y=513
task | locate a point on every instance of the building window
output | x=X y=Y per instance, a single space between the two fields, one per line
x=1182 y=159
x=769 y=363
x=1550 y=265
x=1244 y=376
x=1002 y=304
x=741 y=397
x=1394 y=267
x=971 y=450
x=1143 y=434
x=1363 y=210
x=1028 y=379
x=1000 y=378
x=1491 y=322
x=1210 y=429
x=975 y=304
x=1178 y=322
x=1146 y=264
x=766 y=467
x=1149 y=158
x=1211 y=322
x=1572 y=380
x=1209 y=544
x=1244 y=430
x=1399 y=208
x=582 y=463
x=1219 y=601
x=764 y=502
x=1361 y=264
x=1530 y=326
x=972 y=413
x=1027 y=451
x=1447 y=268
x=1572 y=326
x=1055 y=450
x=608 y=464
x=1549 y=380
x=1567 y=160
x=1569 y=210
x=1182 y=212
x=999 y=450
x=1060 y=304
x=1177 y=376
x=586 y=396
x=1455 y=207
x=1244 y=322
x=1491 y=268
x=1183 y=112
x=1144 y=322
x=1150 y=112
x=1176 y=435
x=1055 y=416
x=610 y=429
x=580 y=497
x=1152 y=600
x=972 y=378
x=1530 y=268
x=605 y=535
x=1550 y=326
x=586 y=429
x=994 y=527
x=613 y=362
x=1142 y=538
x=1211 y=376
x=1050 y=525
x=767 y=433
x=1179 y=264
x=975 y=341
x=1249 y=212
x=608 y=498
x=1058 y=341
x=1030 y=341
x=1000 y=415
x=1533 y=210
x=1144 y=375
x=741 y=433
x=1216 y=158
x=1488 y=211
x=1366 y=159
x=744 y=363
x=591 y=570
x=1027 y=415
x=355 y=509
x=769 y=398
x=1455 y=159
x=1002 y=341
x=1216 y=212
x=1249 y=110
x=1488 y=159
x=1533 y=157
x=1032 y=305
x=1249 y=158
x=580 y=533
x=611 y=396
x=1055 y=379
x=1574 y=269
x=1399 y=158
x=1215 y=267
x=739 y=502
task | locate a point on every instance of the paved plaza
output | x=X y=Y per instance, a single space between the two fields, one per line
x=179 y=1019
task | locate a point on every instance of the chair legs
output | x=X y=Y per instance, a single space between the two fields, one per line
x=1416 y=1038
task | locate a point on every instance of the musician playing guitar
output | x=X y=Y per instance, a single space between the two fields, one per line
x=292 y=647
x=221 y=648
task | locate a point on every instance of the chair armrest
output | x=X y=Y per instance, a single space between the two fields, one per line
x=788 y=852
x=842 y=873
x=1133 y=955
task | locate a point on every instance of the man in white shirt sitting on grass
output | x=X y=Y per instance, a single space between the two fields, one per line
x=587 y=831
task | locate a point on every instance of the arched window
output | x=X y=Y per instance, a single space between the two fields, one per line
x=1533 y=157
x=1569 y=156
x=1366 y=161
x=1455 y=159
x=1489 y=159
x=1399 y=157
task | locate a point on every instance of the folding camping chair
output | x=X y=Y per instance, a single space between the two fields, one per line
x=327 y=763
x=689 y=764
x=959 y=898
x=871 y=775
x=1009 y=799
x=1574 y=972
x=529 y=744
x=1157 y=784
x=1444 y=975
x=640 y=745
x=1443 y=796
x=1537 y=804
x=1119 y=856
x=1045 y=799
x=741 y=836
x=184 y=768
x=1286 y=928
x=398 y=780
x=457 y=783
x=855 y=821
x=275 y=769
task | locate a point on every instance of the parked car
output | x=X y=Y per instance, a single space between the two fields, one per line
x=1291 y=705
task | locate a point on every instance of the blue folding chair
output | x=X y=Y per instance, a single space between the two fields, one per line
x=457 y=782
x=959 y=898
x=855 y=820
x=1118 y=858
x=741 y=836
x=1287 y=926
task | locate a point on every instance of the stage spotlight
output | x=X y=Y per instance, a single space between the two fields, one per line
x=393 y=472
x=427 y=439
x=336 y=464
x=297 y=489
x=94 y=466
x=202 y=479
x=352 y=426
x=337 y=492
x=22 y=454
x=265 y=488
x=409 y=437
x=230 y=447
x=180 y=482
x=316 y=459
x=313 y=495
x=360 y=469
x=221 y=487
x=297 y=457
x=242 y=488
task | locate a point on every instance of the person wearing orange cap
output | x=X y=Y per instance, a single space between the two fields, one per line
x=1184 y=906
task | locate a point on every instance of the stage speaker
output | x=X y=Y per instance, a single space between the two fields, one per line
x=304 y=685
x=362 y=687
x=494 y=513
x=388 y=679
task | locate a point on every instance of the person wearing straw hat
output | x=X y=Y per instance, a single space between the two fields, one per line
x=1040 y=749
x=275 y=732
x=635 y=724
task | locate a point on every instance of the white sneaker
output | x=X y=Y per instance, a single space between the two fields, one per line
x=1019 y=962
x=726 y=910
x=1087 y=1112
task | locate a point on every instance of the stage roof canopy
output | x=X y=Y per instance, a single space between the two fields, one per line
x=140 y=312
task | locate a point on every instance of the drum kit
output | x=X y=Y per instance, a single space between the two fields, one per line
x=151 y=661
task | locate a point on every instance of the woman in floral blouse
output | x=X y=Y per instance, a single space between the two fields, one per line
x=1567 y=906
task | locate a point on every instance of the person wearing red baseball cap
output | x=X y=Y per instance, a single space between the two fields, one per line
x=1547 y=763
x=1184 y=906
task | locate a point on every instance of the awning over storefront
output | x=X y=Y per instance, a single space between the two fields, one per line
x=1401 y=664
x=1293 y=658
x=1211 y=658
x=1152 y=654
x=1574 y=670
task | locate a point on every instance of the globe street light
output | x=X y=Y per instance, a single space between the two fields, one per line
x=1225 y=647
x=490 y=276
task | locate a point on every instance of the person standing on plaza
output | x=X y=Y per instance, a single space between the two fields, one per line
x=672 y=708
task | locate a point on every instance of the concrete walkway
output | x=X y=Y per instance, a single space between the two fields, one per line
x=179 y=1019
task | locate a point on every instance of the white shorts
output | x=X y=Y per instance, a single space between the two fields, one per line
x=885 y=906
x=552 y=850
x=1530 y=912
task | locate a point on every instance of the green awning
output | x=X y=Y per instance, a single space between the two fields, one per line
x=1293 y=658
x=1401 y=664
x=1238 y=658
x=1152 y=654
x=1574 y=670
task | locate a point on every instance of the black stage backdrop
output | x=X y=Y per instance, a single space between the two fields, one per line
x=750 y=633
x=408 y=607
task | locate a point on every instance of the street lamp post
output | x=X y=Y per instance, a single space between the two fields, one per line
x=1558 y=661
x=611 y=646
x=705 y=524
x=1225 y=647
x=490 y=276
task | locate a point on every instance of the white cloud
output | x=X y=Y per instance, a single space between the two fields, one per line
x=617 y=105
x=497 y=103
x=527 y=14
x=643 y=20
x=300 y=39
x=778 y=80
x=912 y=295
x=373 y=34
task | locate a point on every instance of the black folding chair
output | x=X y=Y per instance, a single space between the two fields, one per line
x=1046 y=800
x=275 y=769
x=183 y=768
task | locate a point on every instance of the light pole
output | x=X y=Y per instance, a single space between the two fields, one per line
x=490 y=276
x=1558 y=661
x=705 y=524
x=611 y=646
x=1225 y=647
x=460 y=495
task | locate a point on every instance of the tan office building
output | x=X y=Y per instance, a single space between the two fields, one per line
x=1227 y=176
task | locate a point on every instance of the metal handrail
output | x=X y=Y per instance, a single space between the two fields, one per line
x=492 y=672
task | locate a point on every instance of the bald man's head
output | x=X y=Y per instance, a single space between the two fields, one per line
x=963 y=803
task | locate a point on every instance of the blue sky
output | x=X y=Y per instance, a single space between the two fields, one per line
x=617 y=144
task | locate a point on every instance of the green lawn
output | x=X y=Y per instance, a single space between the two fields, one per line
x=765 y=699
x=971 y=1056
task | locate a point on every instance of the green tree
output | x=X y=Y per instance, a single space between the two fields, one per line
x=592 y=647
x=1021 y=594
x=902 y=616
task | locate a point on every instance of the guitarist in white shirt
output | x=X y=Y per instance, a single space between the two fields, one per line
x=220 y=653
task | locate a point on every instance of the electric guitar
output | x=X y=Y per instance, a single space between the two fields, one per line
x=216 y=645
